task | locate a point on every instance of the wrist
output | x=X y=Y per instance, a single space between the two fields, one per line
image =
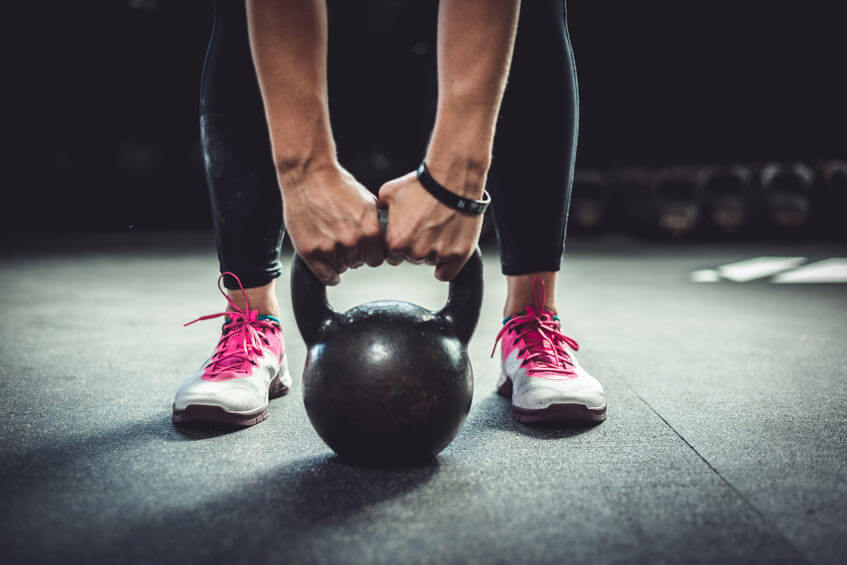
x=293 y=172
x=460 y=168
x=472 y=206
x=459 y=153
x=302 y=145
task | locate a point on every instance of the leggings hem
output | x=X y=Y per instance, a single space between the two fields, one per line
x=251 y=279
x=509 y=269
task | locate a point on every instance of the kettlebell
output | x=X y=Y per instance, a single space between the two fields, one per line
x=387 y=383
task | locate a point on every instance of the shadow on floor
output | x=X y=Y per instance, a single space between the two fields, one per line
x=195 y=432
x=292 y=503
x=325 y=489
x=55 y=455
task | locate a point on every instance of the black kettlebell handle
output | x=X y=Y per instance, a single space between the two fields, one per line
x=313 y=312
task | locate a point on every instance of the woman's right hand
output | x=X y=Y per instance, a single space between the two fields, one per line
x=331 y=219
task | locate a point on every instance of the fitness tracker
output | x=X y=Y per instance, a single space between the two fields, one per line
x=450 y=199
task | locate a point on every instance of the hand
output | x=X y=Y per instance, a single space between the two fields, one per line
x=423 y=230
x=332 y=221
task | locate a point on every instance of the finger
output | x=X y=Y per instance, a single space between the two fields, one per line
x=394 y=260
x=357 y=261
x=411 y=254
x=415 y=258
x=448 y=269
x=395 y=249
x=339 y=258
x=445 y=271
x=394 y=257
x=374 y=251
x=422 y=253
x=334 y=259
x=354 y=255
x=325 y=273
x=369 y=246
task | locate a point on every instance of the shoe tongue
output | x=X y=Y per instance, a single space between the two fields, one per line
x=233 y=342
x=544 y=314
x=253 y=317
x=534 y=339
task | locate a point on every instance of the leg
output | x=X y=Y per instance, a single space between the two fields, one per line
x=534 y=152
x=248 y=365
x=243 y=190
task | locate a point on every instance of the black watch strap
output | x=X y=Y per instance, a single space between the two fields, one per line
x=450 y=199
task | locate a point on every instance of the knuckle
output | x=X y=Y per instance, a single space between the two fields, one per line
x=386 y=190
x=396 y=242
x=311 y=252
x=372 y=229
x=349 y=242
x=417 y=251
x=318 y=247
x=363 y=238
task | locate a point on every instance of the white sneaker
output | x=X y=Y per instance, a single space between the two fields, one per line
x=247 y=368
x=540 y=372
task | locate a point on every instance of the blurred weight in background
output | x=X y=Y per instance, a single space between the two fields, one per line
x=689 y=129
x=722 y=202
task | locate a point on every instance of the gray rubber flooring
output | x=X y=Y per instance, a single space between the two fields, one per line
x=726 y=438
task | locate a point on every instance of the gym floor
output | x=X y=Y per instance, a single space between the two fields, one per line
x=726 y=437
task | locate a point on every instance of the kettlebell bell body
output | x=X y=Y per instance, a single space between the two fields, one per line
x=387 y=382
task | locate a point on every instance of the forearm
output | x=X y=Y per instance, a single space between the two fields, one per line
x=288 y=40
x=475 y=43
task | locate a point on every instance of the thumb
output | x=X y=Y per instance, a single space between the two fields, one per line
x=385 y=193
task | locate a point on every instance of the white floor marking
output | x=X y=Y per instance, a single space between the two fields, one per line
x=827 y=271
x=758 y=267
x=705 y=276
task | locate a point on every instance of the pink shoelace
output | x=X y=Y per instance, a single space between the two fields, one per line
x=241 y=340
x=543 y=340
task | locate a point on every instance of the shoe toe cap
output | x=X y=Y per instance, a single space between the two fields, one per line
x=229 y=395
x=540 y=393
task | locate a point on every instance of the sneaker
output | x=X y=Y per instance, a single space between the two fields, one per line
x=540 y=373
x=246 y=369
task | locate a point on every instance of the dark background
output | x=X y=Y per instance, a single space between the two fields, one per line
x=103 y=112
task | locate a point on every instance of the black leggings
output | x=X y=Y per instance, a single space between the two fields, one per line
x=530 y=177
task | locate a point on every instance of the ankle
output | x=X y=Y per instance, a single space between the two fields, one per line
x=264 y=308
x=261 y=298
x=520 y=292
x=519 y=307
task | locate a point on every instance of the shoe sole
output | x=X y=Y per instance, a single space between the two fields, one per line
x=216 y=415
x=555 y=413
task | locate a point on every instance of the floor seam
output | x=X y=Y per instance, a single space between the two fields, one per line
x=723 y=479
